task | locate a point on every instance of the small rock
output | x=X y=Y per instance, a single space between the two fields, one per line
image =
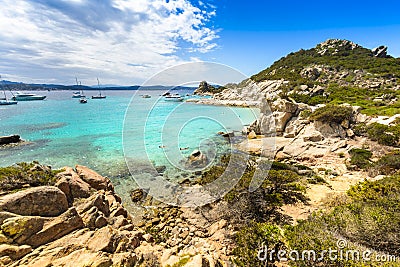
x=100 y=222
x=252 y=135
x=148 y=238
x=137 y=195
x=14 y=252
x=102 y=240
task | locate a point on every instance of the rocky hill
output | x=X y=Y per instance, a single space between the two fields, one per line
x=335 y=71
x=332 y=114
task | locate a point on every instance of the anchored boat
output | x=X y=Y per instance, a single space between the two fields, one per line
x=99 y=96
x=27 y=97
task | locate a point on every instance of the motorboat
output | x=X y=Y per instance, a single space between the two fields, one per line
x=27 y=97
x=83 y=100
x=174 y=98
x=78 y=94
x=7 y=102
x=146 y=96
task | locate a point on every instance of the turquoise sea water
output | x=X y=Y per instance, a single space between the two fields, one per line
x=64 y=132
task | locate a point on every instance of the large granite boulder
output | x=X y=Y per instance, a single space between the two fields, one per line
x=44 y=201
x=56 y=228
x=91 y=177
x=72 y=185
x=36 y=231
x=275 y=116
x=330 y=129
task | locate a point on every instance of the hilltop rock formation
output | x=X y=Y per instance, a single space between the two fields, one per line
x=206 y=89
x=380 y=51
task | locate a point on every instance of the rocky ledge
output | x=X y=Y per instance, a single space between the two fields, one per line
x=79 y=220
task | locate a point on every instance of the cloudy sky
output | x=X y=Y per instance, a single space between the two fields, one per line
x=127 y=41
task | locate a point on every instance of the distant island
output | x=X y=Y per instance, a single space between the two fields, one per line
x=20 y=86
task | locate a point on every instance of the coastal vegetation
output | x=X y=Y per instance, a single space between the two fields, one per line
x=369 y=210
x=384 y=134
x=25 y=174
x=332 y=113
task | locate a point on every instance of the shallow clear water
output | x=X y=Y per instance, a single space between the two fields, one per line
x=65 y=132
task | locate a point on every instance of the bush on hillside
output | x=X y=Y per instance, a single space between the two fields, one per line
x=332 y=113
x=389 y=164
x=22 y=174
x=383 y=134
x=360 y=157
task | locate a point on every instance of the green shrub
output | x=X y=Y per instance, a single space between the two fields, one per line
x=307 y=99
x=360 y=129
x=21 y=174
x=389 y=164
x=360 y=157
x=383 y=134
x=332 y=113
x=254 y=238
x=369 y=219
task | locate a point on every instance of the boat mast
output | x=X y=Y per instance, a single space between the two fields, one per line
x=4 y=90
x=5 y=97
x=98 y=84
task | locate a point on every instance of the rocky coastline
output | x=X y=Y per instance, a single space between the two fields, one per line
x=79 y=220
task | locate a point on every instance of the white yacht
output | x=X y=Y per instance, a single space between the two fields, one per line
x=173 y=97
x=27 y=97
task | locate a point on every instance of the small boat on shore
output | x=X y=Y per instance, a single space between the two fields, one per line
x=27 y=97
x=174 y=98
x=99 y=96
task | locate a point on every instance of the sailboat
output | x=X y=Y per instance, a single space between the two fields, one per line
x=99 y=96
x=78 y=94
x=4 y=101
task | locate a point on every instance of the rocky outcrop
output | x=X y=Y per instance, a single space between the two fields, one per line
x=44 y=201
x=206 y=89
x=80 y=222
x=5 y=140
x=380 y=51
x=91 y=177
x=92 y=228
x=334 y=46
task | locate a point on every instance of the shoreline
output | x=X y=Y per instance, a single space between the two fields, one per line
x=229 y=103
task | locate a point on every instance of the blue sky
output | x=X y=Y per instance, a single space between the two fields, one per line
x=127 y=41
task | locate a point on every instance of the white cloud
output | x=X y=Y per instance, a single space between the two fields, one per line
x=120 y=41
